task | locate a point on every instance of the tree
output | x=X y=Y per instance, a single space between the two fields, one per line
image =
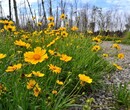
x=44 y=12
x=16 y=13
x=10 y=10
x=50 y=7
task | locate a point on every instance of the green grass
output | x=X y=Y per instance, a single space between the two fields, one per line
x=122 y=96
x=84 y=61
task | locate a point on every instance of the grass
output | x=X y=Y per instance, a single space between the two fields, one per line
x=21 y=89
x=122 y=96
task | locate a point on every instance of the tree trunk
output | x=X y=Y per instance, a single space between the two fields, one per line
x=50 y=8
x=44 y=13
x=10 y=18
x=16 y=13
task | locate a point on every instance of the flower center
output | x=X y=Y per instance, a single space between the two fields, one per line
x=36 y=56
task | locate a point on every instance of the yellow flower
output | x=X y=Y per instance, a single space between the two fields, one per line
x=9 y=27
x=31 y=84
x=35 y=57
x=120 y=55
x=105 y=55
x=55 y=69
x=51 y=52
x=2 y=56
x=38 y=74
x=96 y=39
x=62 y=29
x=116 y=46
x=59 y=82
x=51 y=43
x=117 y=66
x=62 y=16
x=28 y=75
x=89 y=32
x=39 y=23
x=14 y=67
x=64 y=34
x=51 y=18
x=22 y=44
x=85 y=78
x=51 y=24
x=96 y=48
x=36 y=90
x=74 y=28
x=33 y=18
x=65 y=58
x=54 y=92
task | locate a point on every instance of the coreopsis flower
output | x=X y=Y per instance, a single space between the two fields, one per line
x=13 y=68
x=16 y=33
x=96 y=39
x=96 y=48
x=55 y=69
x=2 y=56
x=39 y=23
x=121 y=55
x=31 y=84
x=65 y=58
x=21 y=43
x=6 y=22
x=74 y=28
x=117 y=66
x=62 y=29
x=54 y=92
x=25 y=36
x=59 y=82
x=105 y=55
x=33 y=18
x=9 y=27
x=51 y=43
x=51 y=18
x=62 y=16
x=28 y=75
x=51 y=24
x=36 y=90
x=64 y=34
x=38 y=74
x=89 y=32
x=85 y=78
x=116 y=46
x=51 y=52
x=39 y=55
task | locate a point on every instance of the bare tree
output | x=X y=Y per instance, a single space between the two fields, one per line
x=16 y=13
x=50 y=8
x=30 y=8
x=57 y=18
x=44 y=13
x=10 y=10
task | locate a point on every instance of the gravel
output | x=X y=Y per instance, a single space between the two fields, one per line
x=105 y=99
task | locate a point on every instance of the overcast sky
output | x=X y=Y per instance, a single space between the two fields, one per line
x=123 y=5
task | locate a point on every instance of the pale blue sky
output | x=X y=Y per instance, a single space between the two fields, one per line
x=121 y=5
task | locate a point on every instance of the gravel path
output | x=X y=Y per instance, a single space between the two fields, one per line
x=104 y=99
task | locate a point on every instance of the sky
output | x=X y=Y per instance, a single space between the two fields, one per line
x=122 y=5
